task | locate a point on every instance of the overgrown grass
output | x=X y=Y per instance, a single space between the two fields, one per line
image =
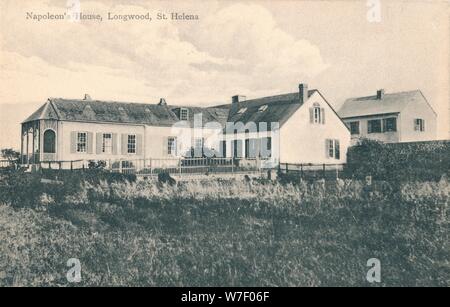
x=229 y=233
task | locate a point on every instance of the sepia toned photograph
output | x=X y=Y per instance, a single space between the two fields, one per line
x=224 y=150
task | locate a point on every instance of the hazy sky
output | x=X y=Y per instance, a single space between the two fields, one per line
x=253 y=48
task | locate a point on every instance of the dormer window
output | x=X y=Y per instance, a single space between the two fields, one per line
x=184 y=114
x=242 y=110
x=262 y=108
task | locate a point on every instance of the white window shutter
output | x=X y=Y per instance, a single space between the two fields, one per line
x=90 y=141
x=311 y=115
x=114 y=143
x=124 y=141
x=99 y=143
x=139 y=144
x=322 y=115
x=73 y=142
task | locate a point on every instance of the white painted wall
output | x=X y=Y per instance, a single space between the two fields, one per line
x=387 y=137
x=64 y=140
x=303 y=142
x=405 y=125
x=154 y=140
x=418 y=109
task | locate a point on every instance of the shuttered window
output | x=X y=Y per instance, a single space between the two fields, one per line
x=317 y=114
x=81 y=142
x=172 y=146
x=131 y=144
x=107 y=143
x=419 y=124
x=333 y=148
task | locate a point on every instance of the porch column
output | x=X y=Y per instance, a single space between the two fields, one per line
x=28 y=143
x=21 y=145
x=33 y=129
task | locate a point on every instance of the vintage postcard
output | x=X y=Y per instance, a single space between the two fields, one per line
x=182 y=144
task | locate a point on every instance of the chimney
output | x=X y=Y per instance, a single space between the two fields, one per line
x=238 y=98
x=87 y=97
x=162 y=102
x=380 y=94
x=235 y=102
x=303 y=92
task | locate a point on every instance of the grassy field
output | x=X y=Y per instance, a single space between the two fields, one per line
x=225 y=233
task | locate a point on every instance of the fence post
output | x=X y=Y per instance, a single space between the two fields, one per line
x=60 y=164
x=287 y=168
x=179 y=164
x=151 y=167
x=301 y=170
x=232 y=164
x=71 y=165
x=49 y=165
x=324 y=170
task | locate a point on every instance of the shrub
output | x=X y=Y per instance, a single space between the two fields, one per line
x=425 y=161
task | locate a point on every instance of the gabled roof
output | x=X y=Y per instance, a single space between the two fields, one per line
x=279 y=109
x=370 y=105
x=121 y=112
x=46 y=111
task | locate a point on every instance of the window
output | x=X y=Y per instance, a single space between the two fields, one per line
x=49 y=141
x=237 y=148
x=330 y=148
x=354 y=128
x=172 y=146
x=374 y=126
x=81 y=141
x=419 y=124
x=198 y=147
x=266 y=147
x=333 y=149
x=390 y=124
x=131 y=144
x=262 y=108
x=184 y=114
x=242 y=110
x=251 y=148
x=317 y=114
x=107 y=143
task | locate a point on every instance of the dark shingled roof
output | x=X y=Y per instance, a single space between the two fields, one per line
x=279 y=109
x=132 y=113
x=370 y=105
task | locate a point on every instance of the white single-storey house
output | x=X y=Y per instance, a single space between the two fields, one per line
x=300 y=127
x=390 y=118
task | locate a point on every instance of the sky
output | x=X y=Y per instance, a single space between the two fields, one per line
x=251 y=48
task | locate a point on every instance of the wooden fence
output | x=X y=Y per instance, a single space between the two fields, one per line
x=312 y=171
x=187 y=166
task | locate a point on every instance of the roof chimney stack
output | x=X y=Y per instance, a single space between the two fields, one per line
x=162 y=102
x=235 y=102
x=380 y=94
x=238 y=98
x=303 y=92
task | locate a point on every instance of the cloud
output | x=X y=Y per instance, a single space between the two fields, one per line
x=236 y=47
